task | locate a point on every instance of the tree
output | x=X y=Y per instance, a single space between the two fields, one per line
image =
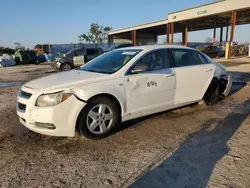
x=208 y=40
x=38 y=46
x=7 y=50
x=19 y=46
x=96 y=34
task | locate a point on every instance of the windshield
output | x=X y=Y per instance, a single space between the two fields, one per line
x=110 y=62
x=69 y=53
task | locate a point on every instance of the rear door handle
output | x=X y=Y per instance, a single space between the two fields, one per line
x=169 y=75
x=208 y=70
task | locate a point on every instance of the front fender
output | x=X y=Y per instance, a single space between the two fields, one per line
x=114 y=88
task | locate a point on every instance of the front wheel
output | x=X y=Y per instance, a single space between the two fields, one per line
x=98 y=118
x=65 y=67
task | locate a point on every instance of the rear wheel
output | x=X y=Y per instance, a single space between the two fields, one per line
x=65 y=67
x=242 y=50
x=98 y=118
x=212 y=95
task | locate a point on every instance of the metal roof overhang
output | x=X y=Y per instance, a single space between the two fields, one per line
x=152 y=27
x=213 y=21
x=204 y=17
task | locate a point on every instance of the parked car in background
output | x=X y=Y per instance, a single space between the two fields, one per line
x=211 y=51
x=25 y=57
x=120 y=85
x=6 y=60
x=7 y=63
x=237 y=49
x=117 y=46
x=41 y=58
x=76 y=57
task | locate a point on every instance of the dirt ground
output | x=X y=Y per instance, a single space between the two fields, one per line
x=195 y=146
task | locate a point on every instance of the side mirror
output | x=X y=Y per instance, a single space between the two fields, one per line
x=140 y=68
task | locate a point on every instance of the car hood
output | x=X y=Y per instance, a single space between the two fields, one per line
x=65 y=80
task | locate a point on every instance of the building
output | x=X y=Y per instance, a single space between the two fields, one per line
x=220 y=14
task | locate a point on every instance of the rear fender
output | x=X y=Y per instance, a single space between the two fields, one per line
x=212 y=86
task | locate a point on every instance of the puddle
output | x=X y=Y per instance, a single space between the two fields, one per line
x=9 y=84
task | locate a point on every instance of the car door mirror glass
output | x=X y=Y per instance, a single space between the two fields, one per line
x=140 y=68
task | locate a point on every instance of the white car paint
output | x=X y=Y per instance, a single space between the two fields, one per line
x=138 y=93
x=174 y=87
x=192 y=82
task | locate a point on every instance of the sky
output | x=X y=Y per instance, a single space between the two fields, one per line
x=32 y=22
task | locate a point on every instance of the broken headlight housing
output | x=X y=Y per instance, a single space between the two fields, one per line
x=48 y=100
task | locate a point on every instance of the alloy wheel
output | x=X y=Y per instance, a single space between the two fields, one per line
x=99 y=119
x=66 y=67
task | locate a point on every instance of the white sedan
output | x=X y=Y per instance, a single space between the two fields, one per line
x=120 y=85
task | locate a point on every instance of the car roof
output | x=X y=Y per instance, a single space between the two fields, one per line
x=125 y=44
x=154 y=47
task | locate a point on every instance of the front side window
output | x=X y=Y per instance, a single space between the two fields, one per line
x=110 y=62
x=80 y=52
x=70 y=53
x=156 y=60
x=183 y=57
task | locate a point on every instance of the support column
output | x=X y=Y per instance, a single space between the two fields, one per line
x=110 y=39
x=185 y=36
x=167 y=32
x=134 y=38
x=233 y=21
x=221 y=35
x=214 y=37
x=227 y=34
x=172 y=33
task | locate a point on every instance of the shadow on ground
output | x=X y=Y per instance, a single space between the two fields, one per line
x=236 y=87
x=193 y=162
x=233 y=64
x=240 y=77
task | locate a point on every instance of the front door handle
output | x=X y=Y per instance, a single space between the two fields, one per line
x=208 y=70
x=169 y=75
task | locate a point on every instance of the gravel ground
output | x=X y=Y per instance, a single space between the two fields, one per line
x=195 y=146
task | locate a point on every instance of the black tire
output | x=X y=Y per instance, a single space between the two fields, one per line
x=81 y=125
x=242 y=50
x=212 y=95
x=65 y=67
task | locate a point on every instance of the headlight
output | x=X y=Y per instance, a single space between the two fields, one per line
x=54 y=99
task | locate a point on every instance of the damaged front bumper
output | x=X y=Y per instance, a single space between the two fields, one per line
x=56 y=65
x=227 y=85
x=59 y=120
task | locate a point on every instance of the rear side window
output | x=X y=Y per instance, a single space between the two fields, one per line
x=183 y=58
x=92 y=51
